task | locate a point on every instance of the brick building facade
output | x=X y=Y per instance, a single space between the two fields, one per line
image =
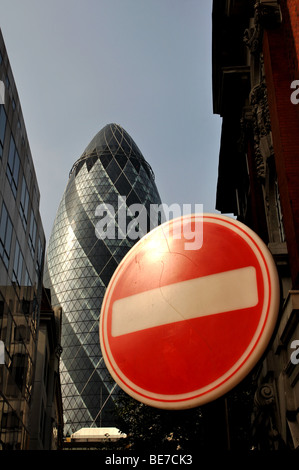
x=255 y=68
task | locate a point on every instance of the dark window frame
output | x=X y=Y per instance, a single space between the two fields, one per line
x=6 y=232
x=32 y=233
x=18 y=264
x=13 y=166
x=24 y=203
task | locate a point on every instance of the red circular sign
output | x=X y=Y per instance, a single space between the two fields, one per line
x=181 y=324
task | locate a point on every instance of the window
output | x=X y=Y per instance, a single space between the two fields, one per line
x=13 y=166
x=21 y=333
x=2 y=128
x=11 y=421
x=18 y=265
x=27 y=281
x=39 y=259
x=19 y=369
x=5 y=235
x=24 y=203
x=32 y=234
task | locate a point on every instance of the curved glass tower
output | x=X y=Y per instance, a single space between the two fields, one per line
x=112 y=175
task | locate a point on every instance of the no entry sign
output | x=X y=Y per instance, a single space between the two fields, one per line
x=179 y=328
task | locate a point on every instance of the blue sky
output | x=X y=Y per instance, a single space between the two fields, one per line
x=144 y=64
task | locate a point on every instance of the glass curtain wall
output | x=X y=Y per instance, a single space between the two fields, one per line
x=108 y=178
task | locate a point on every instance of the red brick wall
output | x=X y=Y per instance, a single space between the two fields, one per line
x=290 y=10
x=281 y=53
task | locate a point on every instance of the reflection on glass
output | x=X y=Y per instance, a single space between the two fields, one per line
x=79 y=266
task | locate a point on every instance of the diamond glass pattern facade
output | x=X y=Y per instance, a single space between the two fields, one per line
x=79 y=266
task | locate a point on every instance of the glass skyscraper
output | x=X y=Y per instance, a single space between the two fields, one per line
x=111 y=174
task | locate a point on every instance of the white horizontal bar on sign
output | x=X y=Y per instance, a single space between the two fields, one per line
x=208 y=295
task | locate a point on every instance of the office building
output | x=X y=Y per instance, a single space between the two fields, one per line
x=255 y=77
x=22 y=245
x=104 y=183
x=46 y=430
